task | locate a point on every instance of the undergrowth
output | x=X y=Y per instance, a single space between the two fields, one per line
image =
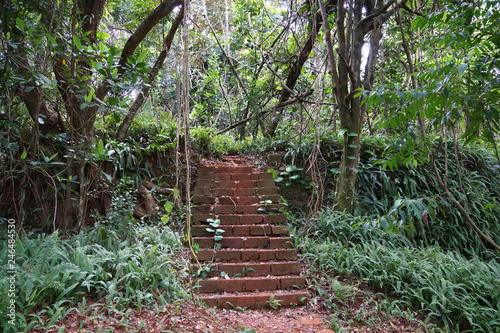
x=460 y=293
x=118 y=265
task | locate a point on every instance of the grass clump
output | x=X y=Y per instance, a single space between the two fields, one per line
x=117 y=266
x=459 y=293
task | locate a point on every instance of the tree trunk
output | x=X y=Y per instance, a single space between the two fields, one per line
x=139 y=101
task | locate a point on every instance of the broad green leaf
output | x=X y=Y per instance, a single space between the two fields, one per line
x=142 y=56
x=100 y=147
x=77 y=42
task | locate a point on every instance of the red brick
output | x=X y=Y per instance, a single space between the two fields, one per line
x=248 y=209
x=292 y=282
x=254 y=284
x=274 y=218
x=205 y=183
x=280 y=242
x=241 y=176
x=204 y=241
x=196 y=218
x=229 y=184
x=222 y=177
x=252 y=219
x=260 y=230
x=249 y=255
x=267 y=255
x=225 y=209
x=201 y=209
x=280 y=230
x=203 y=191
x=229 y=219
x=214 y=286
x=223 y=191
x=203 y=199
x=285 y=268
x=266 y=190
x=233 y=242
x=258 y=270
x=247 y=184
x=254 y=176
x=205 y=255
x=243 y=192
x=257 y=242
x=274 y=198
x=286 y=254
x=241 y=230
x=198 y=230
x=242 y=301
x=226 y=200
x=266 y=183
x=228 y=255
x=248 y=200
x=265 y=175
x=292 y=298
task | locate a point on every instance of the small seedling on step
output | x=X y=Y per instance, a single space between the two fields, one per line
x=214 y=224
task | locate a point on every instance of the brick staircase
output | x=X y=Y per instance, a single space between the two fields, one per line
x=255 y=253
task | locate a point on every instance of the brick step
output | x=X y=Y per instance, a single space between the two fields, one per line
x=240 y=219
x=254 y=242
x=256 y=284
x=213 y=190
x=249 y=269
x=256 y=300
x=236 y=255
x=243 y=230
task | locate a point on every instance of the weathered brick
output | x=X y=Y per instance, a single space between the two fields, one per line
x=198 y=230
x=280 y=242
x=204 y=241
x=274 y=218
x=201 y=209
x=222 y=177
x=229 y=219
x=196 y=218
x=286 y=254
x=214 y=286
x=205 y=255
x=266 y=190
x=203 y=199
x=260 y=230
x=247 y=184
x=225 y=209
x=241 y=230
x=280 y=230
x=252 y=219
x=248 y=209
x=228 y=255
x=258 y=269
x=249 y=255
x=243 y=192
x=226 y=200
x=233 y=242
x=257 y=242
x=292 y=282
x=267 y=255
x=203 y=191
x=248 y=200
x=229 y=184
x=223 y=191
x=254 y=284
x=241 y=176
x=274 y=198
x=254 y=176
x=242 y=301
x=285 y=268
x=266 y=183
